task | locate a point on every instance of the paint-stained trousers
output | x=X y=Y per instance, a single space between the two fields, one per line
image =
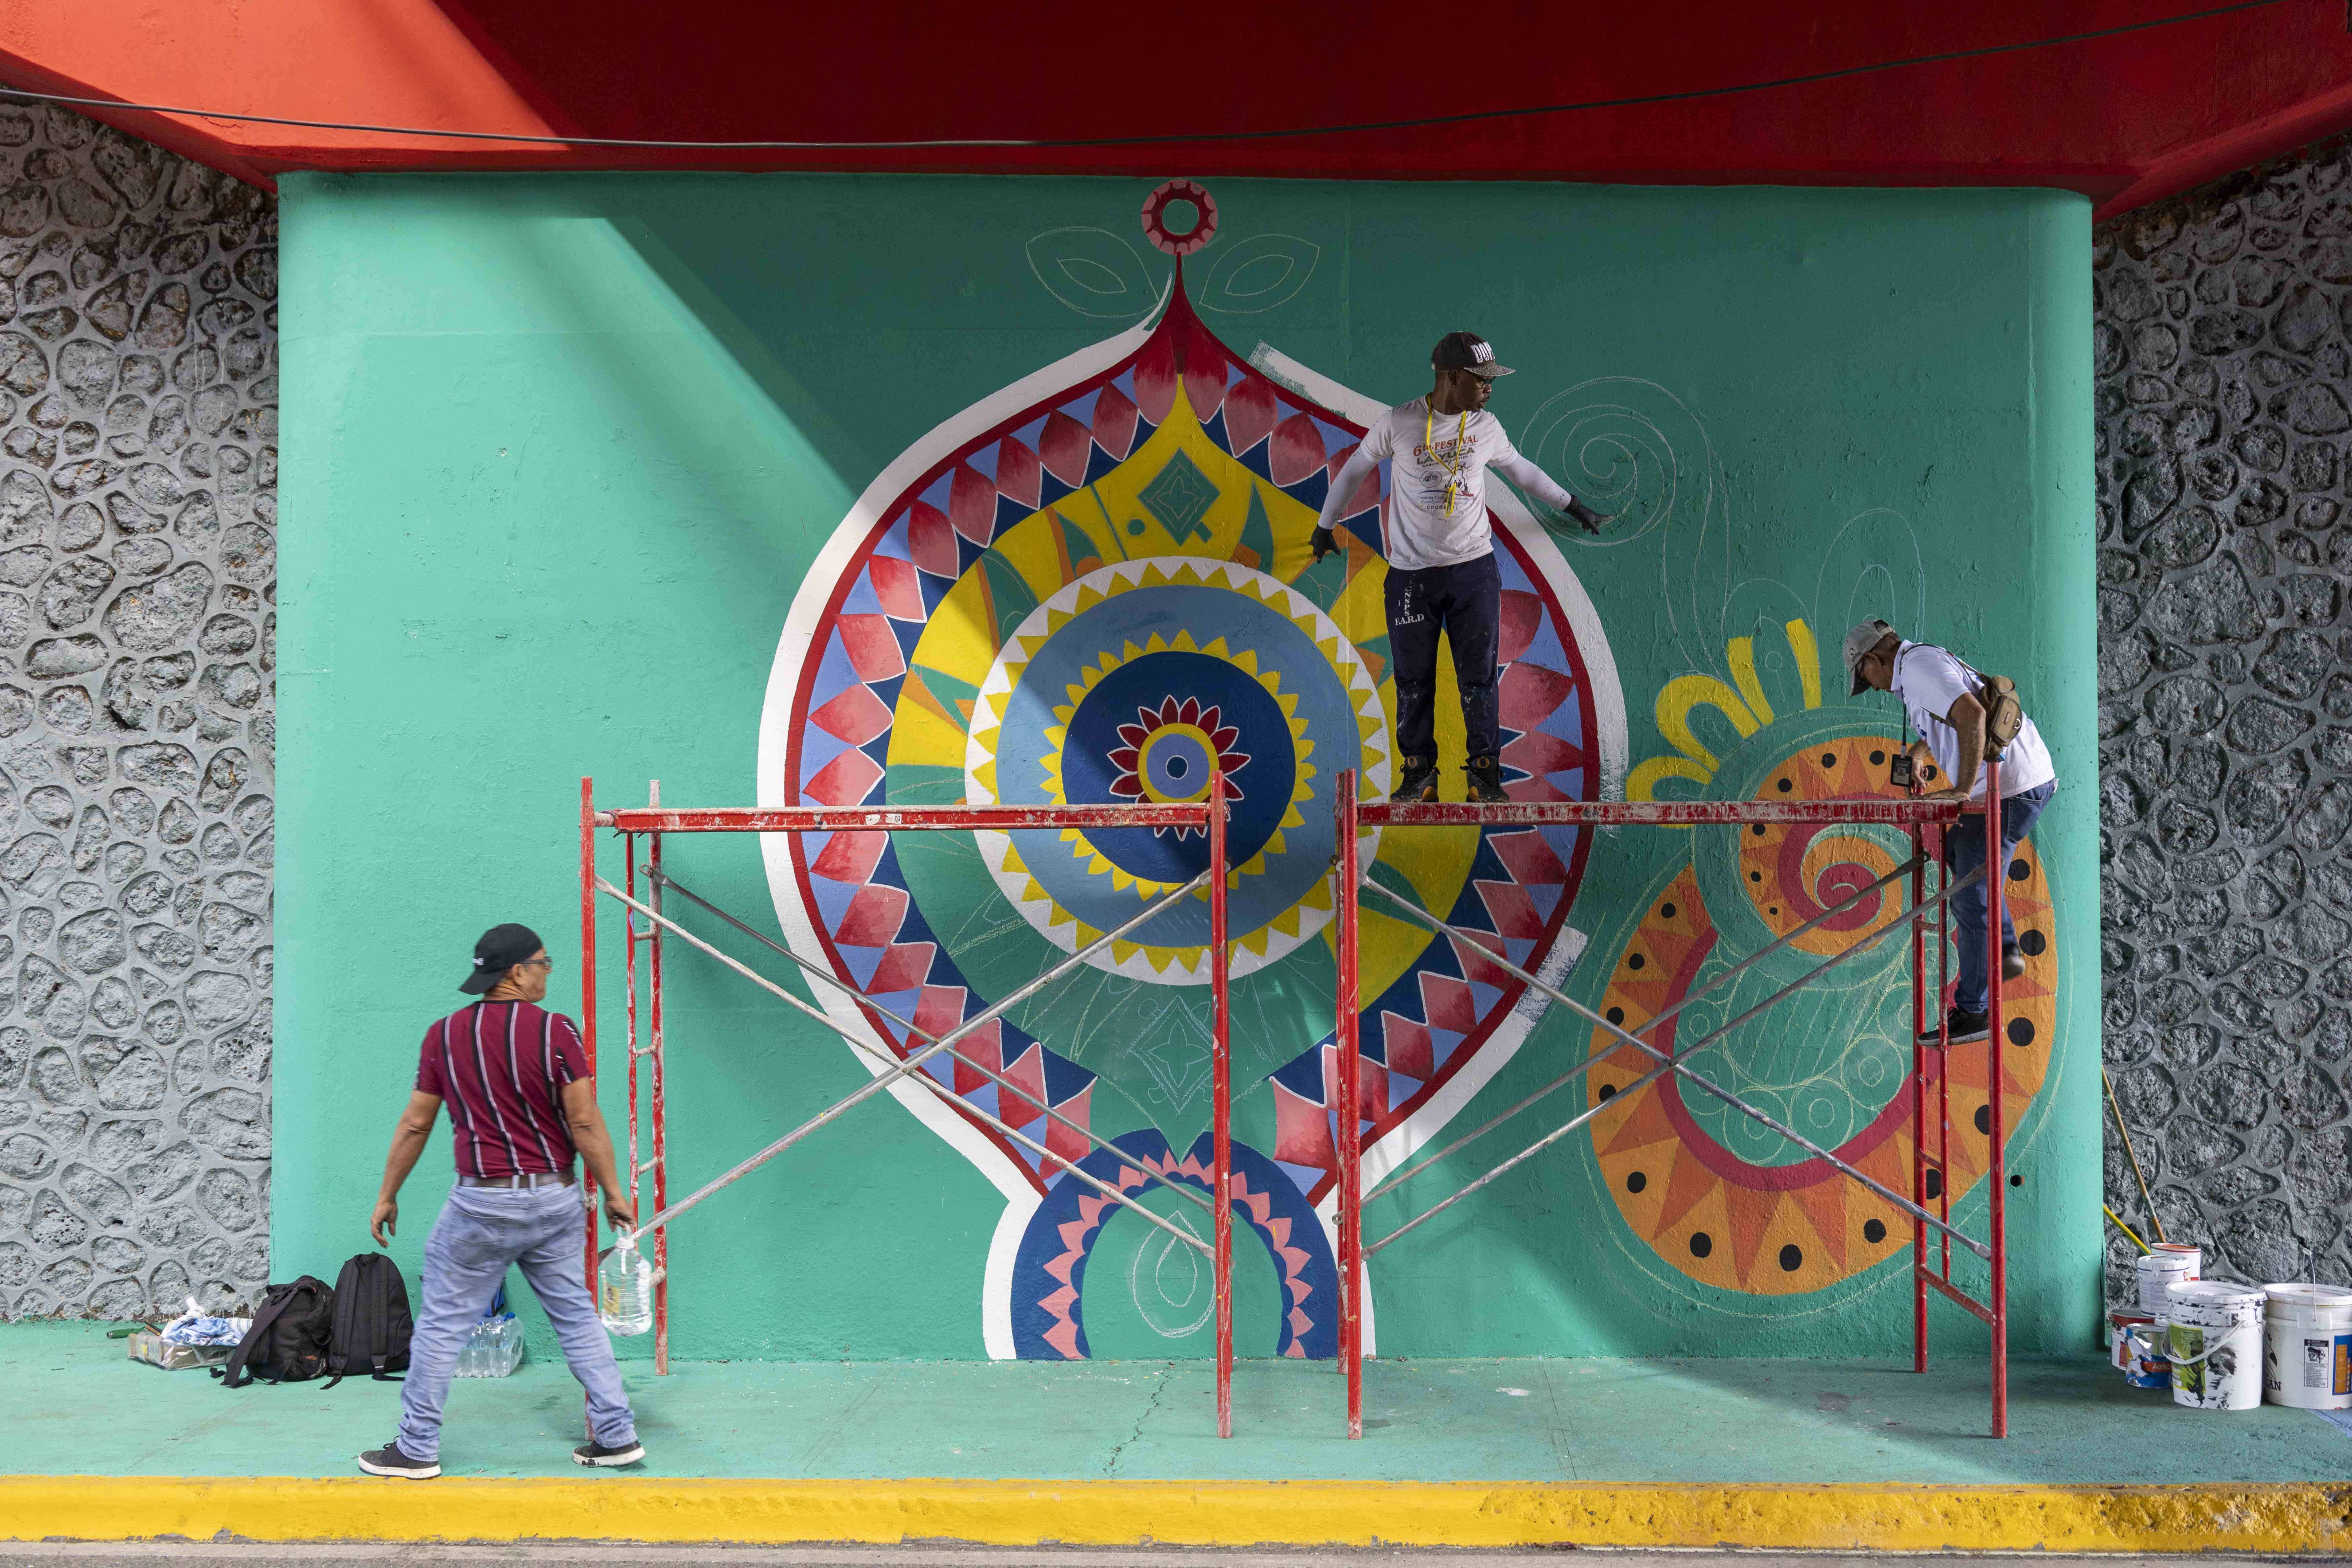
x=1464 y=601
x=481 y=1233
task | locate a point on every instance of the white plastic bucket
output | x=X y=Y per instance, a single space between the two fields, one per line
x=2159 y=1270
x=2215 y=1344
x=2307 y=1346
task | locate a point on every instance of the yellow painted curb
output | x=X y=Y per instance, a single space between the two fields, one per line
x=2224 y=1517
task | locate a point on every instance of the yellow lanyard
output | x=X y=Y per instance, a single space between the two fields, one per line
x=1454 y=481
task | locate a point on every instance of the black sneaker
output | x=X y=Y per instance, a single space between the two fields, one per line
x=601 y=1456
x=1964 y=1027
x=1486 y=781
x=389 y=1460
x=2012 y=963
x=1417 y=783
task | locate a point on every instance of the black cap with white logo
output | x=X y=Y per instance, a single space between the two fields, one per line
x=500 y=949
x=1467 y=351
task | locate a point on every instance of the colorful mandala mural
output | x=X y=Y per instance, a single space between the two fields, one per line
x=1095 y=586
x=1718 y=1197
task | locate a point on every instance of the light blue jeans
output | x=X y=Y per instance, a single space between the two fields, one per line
x=482 y=1232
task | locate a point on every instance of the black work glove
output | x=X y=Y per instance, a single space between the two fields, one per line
x=1585 y=515
x=1324 y=542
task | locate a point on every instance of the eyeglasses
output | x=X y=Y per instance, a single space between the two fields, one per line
x=536 y=964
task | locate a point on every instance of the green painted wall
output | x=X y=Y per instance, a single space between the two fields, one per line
x=558 y=453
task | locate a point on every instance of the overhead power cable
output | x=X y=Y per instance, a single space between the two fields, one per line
x=1164 y=139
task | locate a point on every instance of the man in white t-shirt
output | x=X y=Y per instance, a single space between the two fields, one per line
x=1442 y=574
x=1940 y=695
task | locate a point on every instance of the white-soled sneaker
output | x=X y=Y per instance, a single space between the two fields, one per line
x=601 y=1456
x=389 y=1460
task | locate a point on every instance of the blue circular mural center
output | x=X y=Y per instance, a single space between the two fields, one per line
x=1083 y=754
x=1153 y=694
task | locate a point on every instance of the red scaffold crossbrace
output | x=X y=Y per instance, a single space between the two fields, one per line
x=1210 y=815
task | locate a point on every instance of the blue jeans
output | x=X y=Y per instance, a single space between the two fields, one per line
x=481 y=1232
x=1964 y=852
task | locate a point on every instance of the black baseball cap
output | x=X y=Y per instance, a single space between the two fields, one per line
x=500 y=949
x=1467 y=351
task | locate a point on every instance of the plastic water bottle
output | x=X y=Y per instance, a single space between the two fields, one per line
x=493 y=1349
x=624 y=1287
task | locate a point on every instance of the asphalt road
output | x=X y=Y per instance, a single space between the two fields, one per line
x=222 y=1555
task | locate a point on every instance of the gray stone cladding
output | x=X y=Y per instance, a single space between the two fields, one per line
x=2223 y=339
x=138 y=552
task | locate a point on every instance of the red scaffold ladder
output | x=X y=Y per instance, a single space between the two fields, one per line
x=653 y=822
x=1920 y=818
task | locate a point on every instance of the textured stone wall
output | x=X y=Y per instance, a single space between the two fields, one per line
x=138 y=520
x=2224 y=345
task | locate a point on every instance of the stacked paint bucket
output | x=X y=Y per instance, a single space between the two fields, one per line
x=2138 y=1341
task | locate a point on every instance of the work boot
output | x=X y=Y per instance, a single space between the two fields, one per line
x=2013 y=963
x=1964 y=1027
x=1418 y=782
x=1486 y=781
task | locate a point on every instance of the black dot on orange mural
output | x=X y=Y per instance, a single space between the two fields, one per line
x=1757 y=829
x=1755 y=876
x=2019 y=871
x=1616 y=1015
x=1874 y=1231
x=1876 y=758
x=1792 y=1257
x=2020 y=1031
x=1935 y=1185
x=1984 y=1119
x=1701 y=1244
x=1636 y=1182
x=1784 y=787
x=1635 y=960
x=2032 y=944
x=1829 y=758
x=1608 y=1091
x=1665 y=911
x=1773 y=910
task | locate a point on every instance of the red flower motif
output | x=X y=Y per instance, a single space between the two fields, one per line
x=1203 y=727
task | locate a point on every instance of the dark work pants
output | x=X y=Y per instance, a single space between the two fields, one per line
x=1964 y=848
x=1465 y=602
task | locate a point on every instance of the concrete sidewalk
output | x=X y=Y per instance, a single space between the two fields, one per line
x=1777 y=1453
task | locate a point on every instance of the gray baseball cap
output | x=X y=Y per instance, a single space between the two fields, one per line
x=1865 y=636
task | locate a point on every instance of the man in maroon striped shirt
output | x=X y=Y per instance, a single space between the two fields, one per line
x=515 y=1080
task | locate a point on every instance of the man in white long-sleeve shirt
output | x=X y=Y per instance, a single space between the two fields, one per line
x=1441 y=554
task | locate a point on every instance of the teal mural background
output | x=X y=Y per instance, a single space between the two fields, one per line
x=558 y=451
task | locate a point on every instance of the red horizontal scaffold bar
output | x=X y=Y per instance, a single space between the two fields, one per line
x=855 y=818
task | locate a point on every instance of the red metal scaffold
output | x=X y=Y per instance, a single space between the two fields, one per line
x=1920 y=818
x=653 y=821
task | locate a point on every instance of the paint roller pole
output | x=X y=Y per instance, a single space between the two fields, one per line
x=1221 y=1066
x=1351 y=1148
x=1918 y=1103
x=1996 y=908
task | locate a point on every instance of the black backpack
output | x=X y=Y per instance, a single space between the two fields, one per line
x=288 y=1341
x=372 y=1324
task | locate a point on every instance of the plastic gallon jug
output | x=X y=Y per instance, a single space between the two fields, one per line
x=624 y=1287
x=2307 y=1346
x=2216 y=1345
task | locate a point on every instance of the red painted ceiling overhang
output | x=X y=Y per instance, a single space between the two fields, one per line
x=2127 y=117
